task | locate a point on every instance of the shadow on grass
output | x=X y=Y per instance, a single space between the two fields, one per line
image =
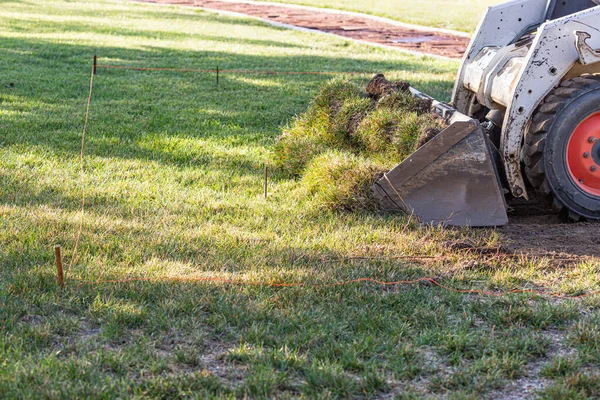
x=131 y=108
x=141 y=121
x=51 y=27
x=155 y=136
x=354 y=341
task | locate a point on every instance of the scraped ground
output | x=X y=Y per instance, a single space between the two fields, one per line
x=349 y=26
x=535 y=230
x=462 y=15
x=173 y=182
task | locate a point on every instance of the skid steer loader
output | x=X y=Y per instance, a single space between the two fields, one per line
x=524 y=120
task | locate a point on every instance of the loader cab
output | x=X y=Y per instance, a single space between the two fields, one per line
x=562 y=8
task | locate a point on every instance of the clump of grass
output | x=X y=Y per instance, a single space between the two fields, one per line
x=301 y=142
x=339 y=106
x=346 y=122
x=350 y=137
x=389 y=135
x=333 y=95
x=404 y=101
x=342 y=181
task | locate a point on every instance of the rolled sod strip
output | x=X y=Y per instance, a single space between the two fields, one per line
x=350 y=136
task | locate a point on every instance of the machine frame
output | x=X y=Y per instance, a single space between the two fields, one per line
x=501 y=66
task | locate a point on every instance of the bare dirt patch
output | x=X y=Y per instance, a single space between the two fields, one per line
x=528 y=385
x=210 y=357
x=347 y=25
x=536 y=230
x=214 y=361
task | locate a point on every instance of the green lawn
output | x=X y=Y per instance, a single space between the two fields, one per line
x=460 y=15
x=173 y=182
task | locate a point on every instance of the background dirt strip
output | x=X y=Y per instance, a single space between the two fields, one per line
x=350 y=26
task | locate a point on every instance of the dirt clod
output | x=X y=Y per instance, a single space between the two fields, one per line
x=379 y=87
x=423 y=106
x=426 y=135
x=402 y=86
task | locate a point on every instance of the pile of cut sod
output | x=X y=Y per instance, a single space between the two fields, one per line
x=348 y=138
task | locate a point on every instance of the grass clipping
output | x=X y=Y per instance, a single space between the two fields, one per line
x=348 y=138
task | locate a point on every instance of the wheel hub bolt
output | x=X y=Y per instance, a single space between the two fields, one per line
x=593 y=168
x=586 y=155
x=591 y=139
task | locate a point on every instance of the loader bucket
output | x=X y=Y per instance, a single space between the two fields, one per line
x=451 y=180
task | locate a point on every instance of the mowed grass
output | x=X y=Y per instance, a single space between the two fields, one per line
x=460 y=15
x=173 y=185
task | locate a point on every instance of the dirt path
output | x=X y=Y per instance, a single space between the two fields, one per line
x=355 y=27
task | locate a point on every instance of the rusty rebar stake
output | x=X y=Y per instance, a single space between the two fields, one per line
x=266 y=180
x=59 y=266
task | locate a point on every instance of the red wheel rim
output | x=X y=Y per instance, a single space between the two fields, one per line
x=583 y=155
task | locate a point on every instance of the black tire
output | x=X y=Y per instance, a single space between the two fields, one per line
x=545 y=147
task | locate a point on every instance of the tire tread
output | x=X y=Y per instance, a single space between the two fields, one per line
x=542 y=121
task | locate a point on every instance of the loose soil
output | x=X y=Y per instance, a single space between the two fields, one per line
x=347 y=25
x=536 y=230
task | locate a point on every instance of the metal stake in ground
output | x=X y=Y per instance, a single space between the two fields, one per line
x=95 y=64
x=59 y=266
x=217 y=74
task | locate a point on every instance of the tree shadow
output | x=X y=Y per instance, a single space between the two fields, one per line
x=132 y=107
x=146 y=120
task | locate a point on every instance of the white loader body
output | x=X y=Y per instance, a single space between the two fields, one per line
x=517 y=57
x=526 y=102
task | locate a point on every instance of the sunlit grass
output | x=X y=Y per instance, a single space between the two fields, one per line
x=173 y=182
